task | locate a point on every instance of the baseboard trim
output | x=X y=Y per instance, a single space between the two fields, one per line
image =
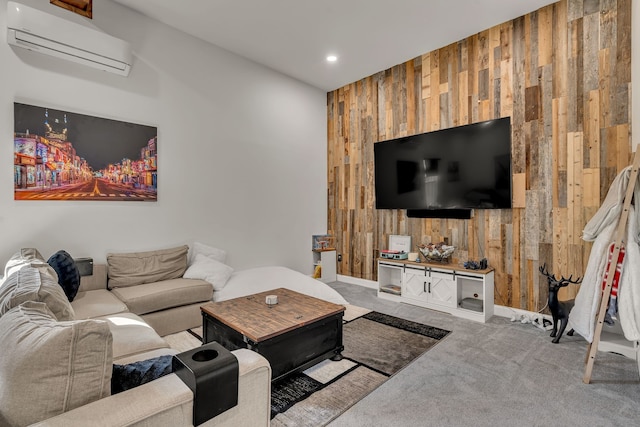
x=498 y=310
x=360 y=282
x=504 y=311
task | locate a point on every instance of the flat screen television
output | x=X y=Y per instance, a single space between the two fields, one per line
x=448 y=172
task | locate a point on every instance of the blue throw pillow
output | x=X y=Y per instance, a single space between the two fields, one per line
x=134 y=374
x=68 y=274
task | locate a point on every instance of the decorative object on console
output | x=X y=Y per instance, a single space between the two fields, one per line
x=399 y=243
x=476 y=265
x=436 y=252
x=389 y=254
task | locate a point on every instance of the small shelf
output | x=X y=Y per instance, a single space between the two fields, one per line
x=391 y=289
x=324 y=265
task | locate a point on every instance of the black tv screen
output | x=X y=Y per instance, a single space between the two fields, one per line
x=465 y=167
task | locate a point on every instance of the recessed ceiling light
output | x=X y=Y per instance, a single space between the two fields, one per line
x=332 y=58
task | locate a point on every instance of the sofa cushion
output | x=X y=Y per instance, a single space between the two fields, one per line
x=131 y=269
x=21 y=258
x=131 y=335
x=152 y=297
x=210 y=270
x=49 y=367
x=35 y=281
x=68 y=274
x=92 y=304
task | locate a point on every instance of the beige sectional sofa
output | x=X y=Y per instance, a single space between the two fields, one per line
x=57 y=357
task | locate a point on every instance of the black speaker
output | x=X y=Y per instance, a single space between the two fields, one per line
x=440 y=213
x=85 y=266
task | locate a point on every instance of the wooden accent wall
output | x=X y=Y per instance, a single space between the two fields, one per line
x=563 y=75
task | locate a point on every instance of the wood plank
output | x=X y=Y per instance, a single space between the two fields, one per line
x=560 y=44
x=590 y=49
x=591 y=149
x=410 y=98
x=545 y=36
x=433 y=122
x=623 y=45
x=519 y=185
x=574 y=191
x=560 y=256
x=532 y=103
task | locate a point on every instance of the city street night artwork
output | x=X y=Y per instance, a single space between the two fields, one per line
x=61 y=155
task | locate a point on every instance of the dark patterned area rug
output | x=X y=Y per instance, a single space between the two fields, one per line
x=376 y=347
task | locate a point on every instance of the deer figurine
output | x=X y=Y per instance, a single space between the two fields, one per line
x=559 y=309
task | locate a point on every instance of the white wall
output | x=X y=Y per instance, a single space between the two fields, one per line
x=241 y=148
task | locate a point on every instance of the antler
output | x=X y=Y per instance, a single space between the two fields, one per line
x=563 y=281
x=543 y=270
x=569 y=280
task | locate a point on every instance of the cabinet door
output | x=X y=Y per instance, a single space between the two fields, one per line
x=442 y=289
x=415 y=283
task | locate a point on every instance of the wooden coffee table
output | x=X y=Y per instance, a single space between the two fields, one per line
x=292 y=335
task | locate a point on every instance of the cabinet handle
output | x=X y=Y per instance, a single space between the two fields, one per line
x=424 y=287
x=429 y=287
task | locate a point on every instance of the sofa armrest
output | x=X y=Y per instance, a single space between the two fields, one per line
x=98 y=280
x=167 y=401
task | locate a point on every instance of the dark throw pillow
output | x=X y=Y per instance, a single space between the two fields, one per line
x=125 y=377
x=68 y=274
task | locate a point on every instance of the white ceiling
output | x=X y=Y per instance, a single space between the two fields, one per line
x=295 y=36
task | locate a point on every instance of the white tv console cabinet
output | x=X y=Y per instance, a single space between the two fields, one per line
x=439 y=287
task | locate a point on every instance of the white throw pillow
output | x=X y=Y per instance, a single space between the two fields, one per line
x=208 y=251
x=209 y=270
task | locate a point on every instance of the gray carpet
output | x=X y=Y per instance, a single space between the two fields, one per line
x=500 y=373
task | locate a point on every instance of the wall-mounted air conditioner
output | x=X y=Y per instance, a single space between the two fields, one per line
x=41 y=32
